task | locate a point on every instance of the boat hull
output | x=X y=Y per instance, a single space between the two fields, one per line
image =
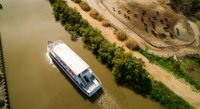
x=73 y=80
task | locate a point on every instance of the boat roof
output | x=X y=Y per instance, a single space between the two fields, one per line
x=70 y=58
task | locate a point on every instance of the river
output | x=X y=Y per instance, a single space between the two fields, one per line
x=33 y=81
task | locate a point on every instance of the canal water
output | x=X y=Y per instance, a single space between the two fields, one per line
x=33 y=81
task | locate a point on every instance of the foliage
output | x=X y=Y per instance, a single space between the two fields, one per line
x=94 y=14
x=131 y=44
x=121 y=35
x=105 y=23
x=166 y=97
x=77 y=1
x=187 y=7
x=127 y=70
x=84 y=5
x=171 y=65
x=195 y=57
x=2 y=103
x=1 y=77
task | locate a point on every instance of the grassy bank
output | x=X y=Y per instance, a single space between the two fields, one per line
x=171 y=65
x=127 y=70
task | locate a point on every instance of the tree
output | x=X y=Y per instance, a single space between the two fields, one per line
x=129 y=72
x=106 y=53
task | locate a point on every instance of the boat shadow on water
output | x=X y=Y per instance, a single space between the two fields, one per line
x=92 y=99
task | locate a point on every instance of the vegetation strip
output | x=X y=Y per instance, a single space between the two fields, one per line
x=173 y=66
x=3 y=80
x=127 y=70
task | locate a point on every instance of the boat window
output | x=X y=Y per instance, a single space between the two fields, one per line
x=82 y=85
x=86 y=79
x=85 y=71
x=92 y=77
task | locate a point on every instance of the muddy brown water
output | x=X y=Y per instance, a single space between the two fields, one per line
x=33 y=81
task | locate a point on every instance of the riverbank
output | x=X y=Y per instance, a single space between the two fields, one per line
x=72 y=21
x=2 y=94
x=4 y=98
x=176 y=67
x=178 y=86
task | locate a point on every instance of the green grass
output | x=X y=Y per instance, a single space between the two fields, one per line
x=193 y=67
x=167 y=98
x=177 y=68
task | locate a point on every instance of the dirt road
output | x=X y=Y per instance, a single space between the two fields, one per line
x=177 y=86
x=159 y=51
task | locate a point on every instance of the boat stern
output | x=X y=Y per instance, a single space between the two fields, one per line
x=93 y=88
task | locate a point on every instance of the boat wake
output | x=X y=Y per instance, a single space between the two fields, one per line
x=106 y=101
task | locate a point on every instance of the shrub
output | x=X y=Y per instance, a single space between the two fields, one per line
x=77 y=1
x=131 y=44
x=94 y=14
x=105 y=23
x=2 y=103
x=74 y=36
x=99 y=17
x=121 y=35
x=84 y=5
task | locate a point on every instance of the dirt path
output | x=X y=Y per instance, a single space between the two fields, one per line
x=143 y=43
x=177 y=86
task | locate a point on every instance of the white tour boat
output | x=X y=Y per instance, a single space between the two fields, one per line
x=77 y=69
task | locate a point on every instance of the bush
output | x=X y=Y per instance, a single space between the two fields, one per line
x=84 y=5
x=94 y=14
x=131 y=44
x=2 y=103
x=121 y=35
x=77 y=1
x=74 y=36
x=99 y=17
x=105 y=23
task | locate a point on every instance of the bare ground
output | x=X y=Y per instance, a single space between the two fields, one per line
x=164 y=42
x=178 y=86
